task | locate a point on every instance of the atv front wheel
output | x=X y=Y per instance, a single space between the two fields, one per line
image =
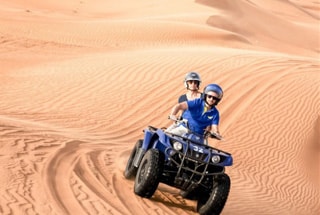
x=192 y=195
x=213 y=202
x=131 y=171
x=149 y=173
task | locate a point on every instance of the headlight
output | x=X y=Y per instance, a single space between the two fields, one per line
x=177 y=146
x=215 y=159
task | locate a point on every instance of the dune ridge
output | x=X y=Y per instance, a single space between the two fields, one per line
x=80 y=80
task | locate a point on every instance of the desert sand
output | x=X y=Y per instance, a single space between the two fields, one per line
x=80 y=80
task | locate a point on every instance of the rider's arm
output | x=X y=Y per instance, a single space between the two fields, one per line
x=180 y=106
x=214 y=129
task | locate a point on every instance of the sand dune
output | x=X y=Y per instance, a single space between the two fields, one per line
x=81 y=79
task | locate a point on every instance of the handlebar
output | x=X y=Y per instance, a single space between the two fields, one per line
x=178 y=120
x=185 y=121
x=214 y=135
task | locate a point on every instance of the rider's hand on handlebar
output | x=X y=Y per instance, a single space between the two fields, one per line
x=172 y=117
x=216 y=135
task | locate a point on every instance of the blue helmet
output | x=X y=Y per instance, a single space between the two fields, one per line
x=213 y=88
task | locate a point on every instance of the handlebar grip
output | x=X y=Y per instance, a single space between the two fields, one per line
x=215 y=135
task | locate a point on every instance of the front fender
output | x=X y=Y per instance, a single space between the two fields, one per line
x=148 y=135
x=228 y=161
x=163 y=137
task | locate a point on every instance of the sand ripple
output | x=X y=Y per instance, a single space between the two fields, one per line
x=81 y=80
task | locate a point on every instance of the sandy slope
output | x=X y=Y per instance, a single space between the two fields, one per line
x=80 y=80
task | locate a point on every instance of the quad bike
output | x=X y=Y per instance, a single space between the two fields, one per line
x=185 y=162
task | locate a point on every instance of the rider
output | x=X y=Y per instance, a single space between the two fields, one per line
x=202 y=114
x=192 y=83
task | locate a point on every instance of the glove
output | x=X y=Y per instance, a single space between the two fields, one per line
x=172 y=117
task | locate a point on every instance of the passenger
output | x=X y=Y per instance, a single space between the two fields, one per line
x=192 y=83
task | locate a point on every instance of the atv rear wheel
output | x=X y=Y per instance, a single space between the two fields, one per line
x=149 y=173
x=131 y=171
x=213 y=202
